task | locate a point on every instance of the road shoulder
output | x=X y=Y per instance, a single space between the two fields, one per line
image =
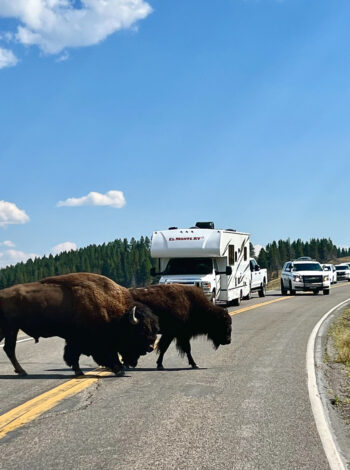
x=330 y=380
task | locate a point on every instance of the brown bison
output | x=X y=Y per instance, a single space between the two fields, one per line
x=92 y=313
x=184 y=312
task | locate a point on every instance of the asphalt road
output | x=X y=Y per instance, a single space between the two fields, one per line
x=246 y=408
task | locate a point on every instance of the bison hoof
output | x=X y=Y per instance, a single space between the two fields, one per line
x=194 y=366
x=78 y=373
x=119 y=372
x=21 y=372
x=160 y=367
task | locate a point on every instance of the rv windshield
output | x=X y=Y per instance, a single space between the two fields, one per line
x=189 y=266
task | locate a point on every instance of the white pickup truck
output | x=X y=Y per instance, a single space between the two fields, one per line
x=258 y=278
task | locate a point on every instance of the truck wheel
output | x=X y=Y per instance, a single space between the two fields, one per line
x=213 y=297
x=249 y=295
x=284 y=291
x=316 y=292
x=262 y=291
x=292 y=291
x=325 y=291
x=237 y=302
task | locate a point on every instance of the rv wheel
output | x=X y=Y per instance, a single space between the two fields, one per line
x=213 y=297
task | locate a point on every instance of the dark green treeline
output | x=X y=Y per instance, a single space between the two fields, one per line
x=277 y=253
x=129 y=262
x=126 y=262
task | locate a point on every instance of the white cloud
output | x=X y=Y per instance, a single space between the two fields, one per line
x=7 y=243
x=11 y=214
x=54 y=25
x=11 y=257
x=7 y=58
x=114 y=199
x=66 y=246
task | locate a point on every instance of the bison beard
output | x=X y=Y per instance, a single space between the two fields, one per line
x=184 y=312
x=93 y=314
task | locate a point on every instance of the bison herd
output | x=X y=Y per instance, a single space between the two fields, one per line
x=114 y=325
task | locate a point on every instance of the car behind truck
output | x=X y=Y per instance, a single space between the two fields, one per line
x=217 y=261
x=304 y=275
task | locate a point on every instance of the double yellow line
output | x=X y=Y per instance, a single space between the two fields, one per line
x=30 y=410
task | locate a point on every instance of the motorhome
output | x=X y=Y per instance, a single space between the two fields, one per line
x=218 y=261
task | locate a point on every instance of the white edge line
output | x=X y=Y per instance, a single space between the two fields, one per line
x=20 y=341
x=329 y=445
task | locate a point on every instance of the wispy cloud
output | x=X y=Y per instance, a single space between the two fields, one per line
x=7 y=243
x=114 y=199
x=65 y=246
x=11 y=214
x=11 y=257
x=54 y=25
x=7 y=58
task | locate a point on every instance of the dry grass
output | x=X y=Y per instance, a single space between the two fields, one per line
x=340 y=260
x=340 y=333
x=274 y=284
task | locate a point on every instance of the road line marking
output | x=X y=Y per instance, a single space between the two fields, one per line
x=328 y=441
x=20 y=341
x=31 y=409
x=252 y=307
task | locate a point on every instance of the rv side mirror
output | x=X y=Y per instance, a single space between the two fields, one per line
x=257 y=267
x=228 y=270
x=153 y=271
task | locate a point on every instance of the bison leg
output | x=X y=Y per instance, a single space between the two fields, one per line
x=110 y=361
x=10 y=350
x=185 y=346
x=162 y=347
x=71 y=357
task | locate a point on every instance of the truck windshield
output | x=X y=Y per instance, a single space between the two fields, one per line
x=341 y=268
x=307 y=267
x=189 y=266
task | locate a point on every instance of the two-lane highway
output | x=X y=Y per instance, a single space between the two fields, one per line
x=246 y=408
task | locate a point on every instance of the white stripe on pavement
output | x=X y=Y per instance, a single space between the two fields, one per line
x=333 y=454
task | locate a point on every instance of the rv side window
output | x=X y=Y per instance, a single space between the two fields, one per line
x=245 y=253
x=231 y=255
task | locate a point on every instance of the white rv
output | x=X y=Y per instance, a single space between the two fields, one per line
x=215 y=260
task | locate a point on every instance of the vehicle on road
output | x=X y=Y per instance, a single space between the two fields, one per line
x=258 y=281
x=343 y=272
x=330 y=269
x=304 y=276
x=215 y=260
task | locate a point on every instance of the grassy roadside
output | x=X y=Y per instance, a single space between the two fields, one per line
x=340 y=334
x=274 y=284
x=338 y=361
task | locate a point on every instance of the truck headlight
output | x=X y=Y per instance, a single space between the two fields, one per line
x=298 y=278
x=206 y=285
x=326 y=278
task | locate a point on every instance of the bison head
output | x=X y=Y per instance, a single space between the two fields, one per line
x=221 y=326
x=142 y=328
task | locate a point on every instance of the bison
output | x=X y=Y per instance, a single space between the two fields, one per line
x=184 y=312
x=92 y=313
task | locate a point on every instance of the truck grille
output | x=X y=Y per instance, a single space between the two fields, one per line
x=312 y=279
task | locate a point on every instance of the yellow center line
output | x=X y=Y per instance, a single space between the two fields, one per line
x=252 y=307
x=31 y=409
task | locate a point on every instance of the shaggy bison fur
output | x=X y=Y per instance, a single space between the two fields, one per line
x=92 y=313
x=184 y=312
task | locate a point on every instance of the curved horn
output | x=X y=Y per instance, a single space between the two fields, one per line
x=133 y=319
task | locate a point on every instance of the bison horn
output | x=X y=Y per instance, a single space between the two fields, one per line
x=133 y=319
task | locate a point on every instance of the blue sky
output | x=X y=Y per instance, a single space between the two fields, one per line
x=234 y=111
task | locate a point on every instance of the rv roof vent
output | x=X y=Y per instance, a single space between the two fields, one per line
x=172 y=228
x=205 y=225
x=231 y=230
